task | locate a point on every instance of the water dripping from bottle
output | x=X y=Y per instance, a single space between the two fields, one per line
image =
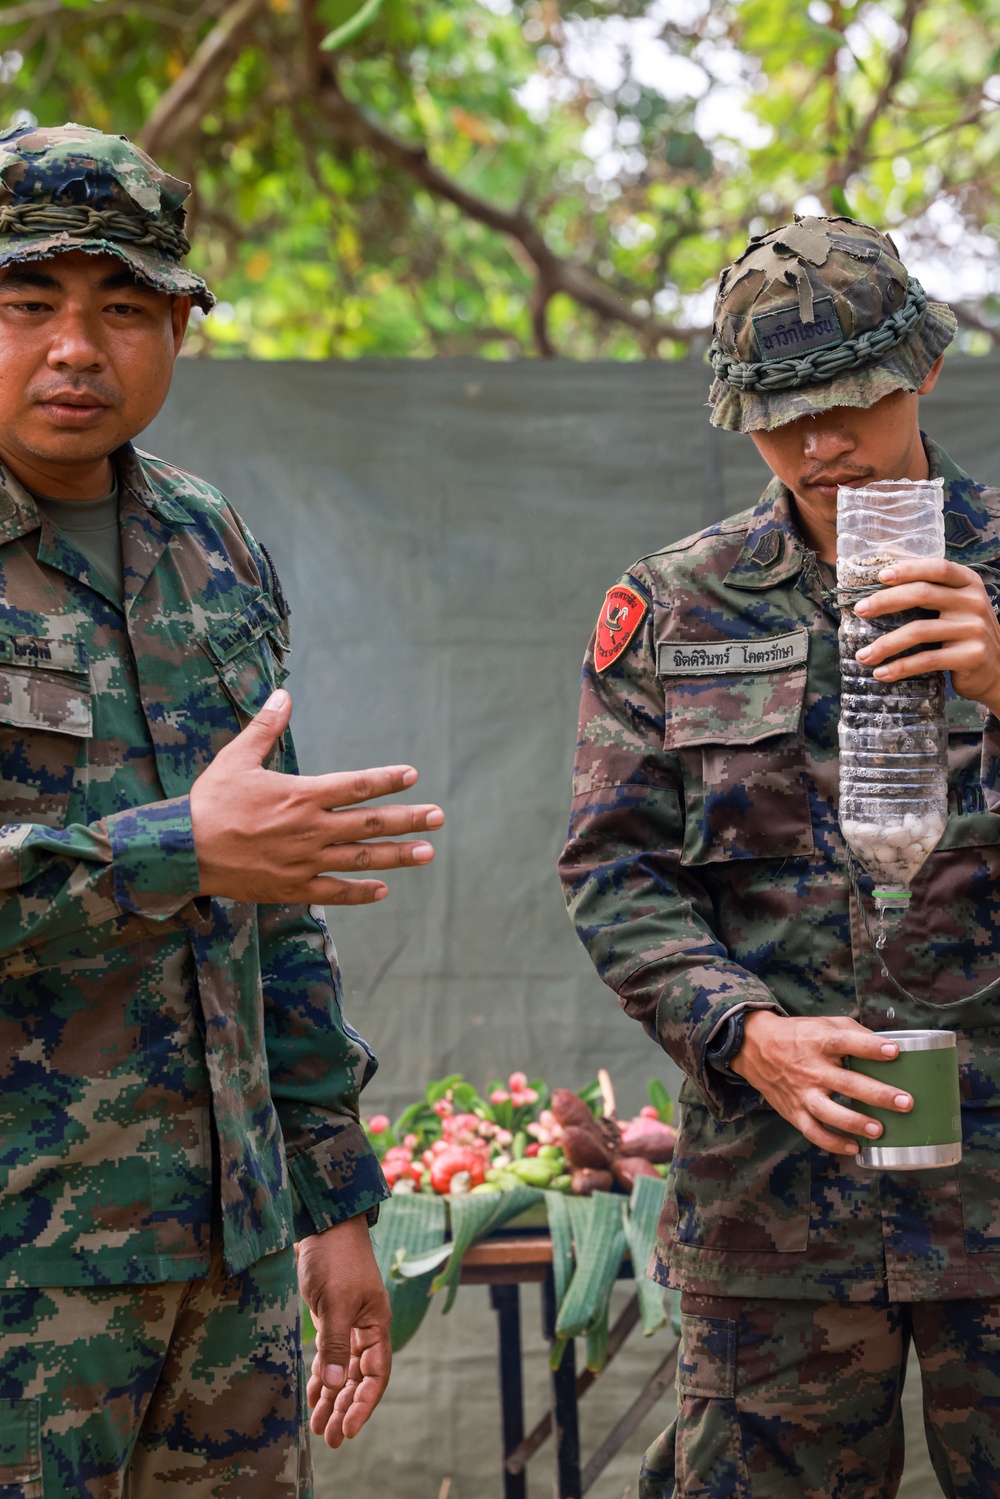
x=880 y=942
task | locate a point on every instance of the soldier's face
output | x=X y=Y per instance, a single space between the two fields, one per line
x=86 y=356
x=847 y=445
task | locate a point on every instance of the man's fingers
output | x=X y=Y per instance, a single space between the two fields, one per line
x=807 y=1124
x=345 y=788
x=917 y=632
x=351 y=858
x=930 y=569
x=255 y=742
x=333 y=1352
x=358 y=824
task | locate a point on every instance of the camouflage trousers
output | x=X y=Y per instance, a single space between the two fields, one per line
x=801 y=1400
x=151 y=1392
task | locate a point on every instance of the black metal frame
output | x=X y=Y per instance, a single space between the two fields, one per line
x=570 y=1480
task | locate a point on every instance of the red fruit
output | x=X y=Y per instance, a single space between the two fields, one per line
x=533 y=1148
x=457 y=1158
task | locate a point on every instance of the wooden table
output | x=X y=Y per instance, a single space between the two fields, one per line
x=505 y=1263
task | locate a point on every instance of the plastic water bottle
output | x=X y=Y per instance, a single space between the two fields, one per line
x=893 y=740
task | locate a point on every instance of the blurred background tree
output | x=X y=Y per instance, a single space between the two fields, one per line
x=421 y=177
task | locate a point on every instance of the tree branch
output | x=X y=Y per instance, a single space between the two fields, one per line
x=854 y=156
x=969 y=319
x=35 y=10
x=554 y=274
x=180 y=111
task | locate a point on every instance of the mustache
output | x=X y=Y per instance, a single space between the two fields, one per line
x=844 y=471
x=94 y=387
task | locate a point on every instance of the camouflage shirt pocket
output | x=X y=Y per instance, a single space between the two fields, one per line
x=250 y=649
x=740 y=744
x=20 y=1450
x=969 y=825
x=45 y=684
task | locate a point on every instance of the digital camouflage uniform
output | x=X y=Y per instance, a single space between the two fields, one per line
x=178 y=1086
x=706 y=872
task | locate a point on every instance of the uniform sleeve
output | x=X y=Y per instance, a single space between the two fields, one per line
x=642 y=915
x=990 y=771
x=318 y=1065
x=75 y=892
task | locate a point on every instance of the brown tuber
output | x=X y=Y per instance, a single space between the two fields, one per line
x=583 y=1148
x=587 y=1180
x=627 y=1167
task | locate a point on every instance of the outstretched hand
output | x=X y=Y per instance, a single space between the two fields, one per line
x=796 y=1064
x=265 y=837
x=963 y=639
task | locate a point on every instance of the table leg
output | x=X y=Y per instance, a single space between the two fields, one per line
x=506 y=1302
x=565 y=1424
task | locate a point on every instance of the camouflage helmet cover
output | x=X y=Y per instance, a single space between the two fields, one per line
x=69 y=187
x=819 y=313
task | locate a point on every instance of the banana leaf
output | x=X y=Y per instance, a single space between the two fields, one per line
x=599 y=1239
x=640 y=1217
x=561 y=1234
x=469 y=1224
x=411 y=1225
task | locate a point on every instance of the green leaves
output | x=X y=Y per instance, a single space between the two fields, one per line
x=320 y=246
x=589 y=1237
x=408 y=1228
x=352 y=28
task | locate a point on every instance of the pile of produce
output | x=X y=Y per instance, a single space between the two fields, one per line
x=454 y=1142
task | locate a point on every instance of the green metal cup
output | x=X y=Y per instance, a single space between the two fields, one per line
x=931 y=1133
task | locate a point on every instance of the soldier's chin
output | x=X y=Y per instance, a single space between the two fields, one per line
x=68 y=446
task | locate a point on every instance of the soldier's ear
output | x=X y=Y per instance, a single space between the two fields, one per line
x=932 y=377
x=180 y=311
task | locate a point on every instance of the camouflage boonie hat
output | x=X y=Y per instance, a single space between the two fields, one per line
x=819 y=313
x=73 y=188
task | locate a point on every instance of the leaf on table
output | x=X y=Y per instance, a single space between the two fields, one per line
x=599 y=1239
x=408 y=1227
x=640 y=1217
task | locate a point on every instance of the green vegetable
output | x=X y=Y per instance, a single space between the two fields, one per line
x=519 y=1145
x=505 y=1180
x=534 y=1172
x=550 y=1153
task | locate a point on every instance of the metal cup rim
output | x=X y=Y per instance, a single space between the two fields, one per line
x=921 y=1040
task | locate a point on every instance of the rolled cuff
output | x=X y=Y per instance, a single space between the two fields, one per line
x=692 y=1001
x=337 y=1178
x=153 y=858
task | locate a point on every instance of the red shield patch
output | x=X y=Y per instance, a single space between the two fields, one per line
x=620 y=618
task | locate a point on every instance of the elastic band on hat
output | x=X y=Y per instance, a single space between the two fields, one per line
x=823 y=365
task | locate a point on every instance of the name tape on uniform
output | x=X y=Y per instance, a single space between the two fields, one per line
x=731 y=657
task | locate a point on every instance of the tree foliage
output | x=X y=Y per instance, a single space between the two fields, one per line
x=418 y=177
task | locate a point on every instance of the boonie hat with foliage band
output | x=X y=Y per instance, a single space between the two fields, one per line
x=73 y=188
x=819 y=313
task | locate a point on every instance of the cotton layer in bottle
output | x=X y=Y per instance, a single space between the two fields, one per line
x=893 y=741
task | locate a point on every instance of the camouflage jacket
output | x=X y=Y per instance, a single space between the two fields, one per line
x=169 y=1062
x=705 y=870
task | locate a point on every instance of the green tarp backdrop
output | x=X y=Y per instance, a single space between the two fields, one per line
x=445 y=532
